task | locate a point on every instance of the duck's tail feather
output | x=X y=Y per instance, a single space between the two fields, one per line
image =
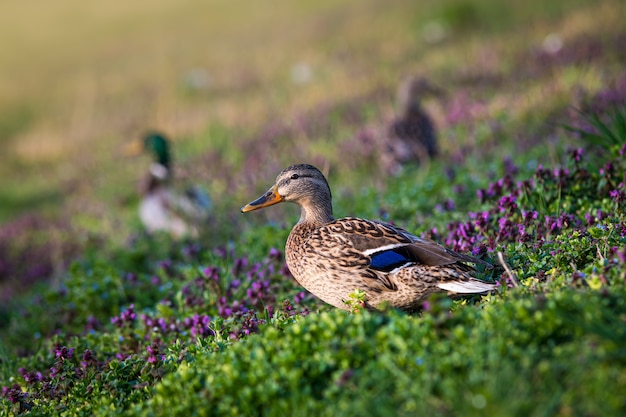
x=467 y=287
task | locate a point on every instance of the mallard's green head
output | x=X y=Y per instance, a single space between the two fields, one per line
x=158 y=145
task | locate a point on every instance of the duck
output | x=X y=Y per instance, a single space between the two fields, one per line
x=332 y=258
x=411 y=135
x=163 y=208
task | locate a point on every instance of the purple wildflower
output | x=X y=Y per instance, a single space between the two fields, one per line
x=127 y=316
x=617 y=195
x=154 y=355
x=155 y=280
x=199 y=325
x=14 y=394
x=63 y=352
x=240 y=265
x=30 y=377
x=92 y=324
x=212 y=273
x=191 y=251
x=449 y=205
x=276 y=254
x=577 y=155
x=507 y=204
x=479 y=250
x=89 y=359
x=299 y=297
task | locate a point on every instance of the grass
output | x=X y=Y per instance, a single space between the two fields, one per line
x=126 y=69
x=99 y=319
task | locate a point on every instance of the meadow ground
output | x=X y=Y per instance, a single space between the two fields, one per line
x=99 y=319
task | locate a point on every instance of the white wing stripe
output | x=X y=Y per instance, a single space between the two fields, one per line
x=384 y=248
x=393 y=271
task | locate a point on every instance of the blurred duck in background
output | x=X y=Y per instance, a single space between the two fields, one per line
x=163 y=208
x=411 y=137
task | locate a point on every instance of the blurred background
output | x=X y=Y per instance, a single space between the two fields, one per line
x=243 y=89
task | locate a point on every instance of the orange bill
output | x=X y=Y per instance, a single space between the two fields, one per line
x=270 y=198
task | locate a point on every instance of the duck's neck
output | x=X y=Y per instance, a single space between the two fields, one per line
x=317 y=214
x=157 y=178
x=413 y=108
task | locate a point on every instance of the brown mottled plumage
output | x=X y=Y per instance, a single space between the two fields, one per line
x=333 y=257
x=411 y=137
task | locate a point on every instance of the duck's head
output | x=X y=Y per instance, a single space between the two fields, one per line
x=158 y=145
x=415 y=88
x=155 y=143
x=302 y=184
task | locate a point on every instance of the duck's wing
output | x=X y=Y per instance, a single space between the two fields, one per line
x=389 y=246
x=198 y=201
x=378 y=249
x=432 y=253
x=194 y=203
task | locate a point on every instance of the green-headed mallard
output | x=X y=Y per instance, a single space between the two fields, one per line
x=331 y=257
x=163 y=208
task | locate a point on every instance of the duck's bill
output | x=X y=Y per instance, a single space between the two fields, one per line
x=270 y=198
x=133 y=148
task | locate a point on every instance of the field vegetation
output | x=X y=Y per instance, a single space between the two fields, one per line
x=98 y=318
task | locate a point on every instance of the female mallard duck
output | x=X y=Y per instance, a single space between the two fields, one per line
x=412 y=136
x=162 y=208
x=333 y=257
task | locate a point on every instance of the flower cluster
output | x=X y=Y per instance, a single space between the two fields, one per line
x=15 y=395
x=30 y=249
x=126 y=317
x=535 y=212
x=198 y=325
x=197 y=303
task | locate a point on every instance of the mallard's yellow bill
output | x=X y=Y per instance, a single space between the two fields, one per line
x=271 y=197
x=133 y=148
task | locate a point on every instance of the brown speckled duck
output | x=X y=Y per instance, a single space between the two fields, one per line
x=411 y=136
x=332 y=258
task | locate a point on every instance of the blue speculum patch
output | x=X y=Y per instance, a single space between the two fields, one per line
x=390 y=259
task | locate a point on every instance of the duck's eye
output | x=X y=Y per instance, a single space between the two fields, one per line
x=295 y=176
